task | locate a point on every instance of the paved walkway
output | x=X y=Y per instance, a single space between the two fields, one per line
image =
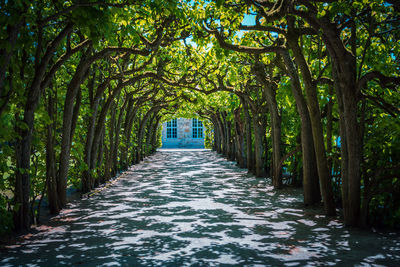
x=194 y=208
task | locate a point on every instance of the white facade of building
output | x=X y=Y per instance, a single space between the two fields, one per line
x=183 y=133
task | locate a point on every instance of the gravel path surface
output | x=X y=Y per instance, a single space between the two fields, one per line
x=194 y=208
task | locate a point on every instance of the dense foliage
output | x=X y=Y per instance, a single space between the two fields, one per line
x=304 y=92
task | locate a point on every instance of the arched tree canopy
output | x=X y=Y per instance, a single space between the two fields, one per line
x=303 y=92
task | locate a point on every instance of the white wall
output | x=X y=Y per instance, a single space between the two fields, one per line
x=184 y=139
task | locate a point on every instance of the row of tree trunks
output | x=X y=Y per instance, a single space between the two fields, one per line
x=343 y=65
x=230 y=141
x=344 y=73
x=96 y=130
x=140 y=151
x=116 y=142
x=95 y=148
x=94 y=105
x=253 y=139
x=22 y=219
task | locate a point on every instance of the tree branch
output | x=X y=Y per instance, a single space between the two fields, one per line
x=244 y=49
x=262 y=28
x=61 y=61
x=383 y=80
x=392 y=110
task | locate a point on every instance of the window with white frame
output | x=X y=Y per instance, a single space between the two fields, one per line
x=172 y=129
x=197 y=128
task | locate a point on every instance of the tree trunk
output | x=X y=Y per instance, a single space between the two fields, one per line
x=129 y=119
x=72 y=92
x=269 y=92
x=239 y=139
x=108 y=166
x=221 y=134
x=217 y=144
x=329 y=126
x=100 y=126
x=154 y=135
x=94 y=106
x=127 y=124
x=142 y=128
x=217 y=134
x=51 y=172
x=148 y=134
x=116 y=144
x=249 y=144
x=310 y=173
x=228 y=130
x=258 y=145
x=345 y=81
x=316 y=126
x=227 y=135
x=99 y=163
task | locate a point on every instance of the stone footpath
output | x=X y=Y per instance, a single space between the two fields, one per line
x=194 y=208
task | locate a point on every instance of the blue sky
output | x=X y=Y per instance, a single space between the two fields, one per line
x=247 y=20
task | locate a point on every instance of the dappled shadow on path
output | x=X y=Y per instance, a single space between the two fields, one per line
x=195 y=208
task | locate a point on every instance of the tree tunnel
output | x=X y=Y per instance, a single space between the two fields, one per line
x=85 y=86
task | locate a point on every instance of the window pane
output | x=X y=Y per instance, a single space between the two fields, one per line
x=172 y=129
x=197 y=128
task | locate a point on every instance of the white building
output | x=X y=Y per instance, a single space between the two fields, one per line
x=183 y=133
